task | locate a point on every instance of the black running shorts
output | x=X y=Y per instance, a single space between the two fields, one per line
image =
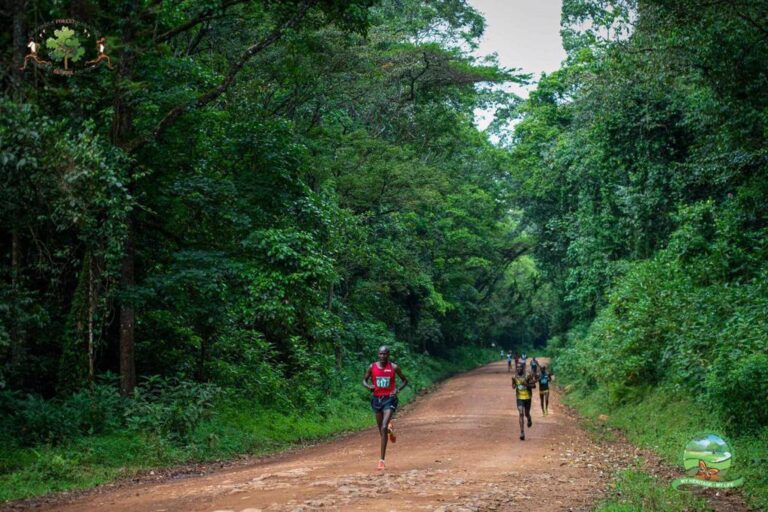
x=524 y=404
x=382 y=403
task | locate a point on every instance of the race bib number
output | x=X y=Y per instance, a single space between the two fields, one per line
x=521 y=387
x=382 y=382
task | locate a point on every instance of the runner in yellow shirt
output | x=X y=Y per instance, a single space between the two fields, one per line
x=523 y=382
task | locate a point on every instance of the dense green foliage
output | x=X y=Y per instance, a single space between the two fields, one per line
x=170 y=423
x=642 y=172
x=257 y=197
x=263 y=192
x=336 y=193
x=665 y=422
x=641 y=165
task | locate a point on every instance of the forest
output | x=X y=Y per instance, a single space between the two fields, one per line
x=641 y=167
x=202 y=248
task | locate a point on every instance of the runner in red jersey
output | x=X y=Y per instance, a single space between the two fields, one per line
x=384 y=402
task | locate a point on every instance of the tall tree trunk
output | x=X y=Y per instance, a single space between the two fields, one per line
x=201 y=373
x=127 y=319
x=75 y=351
x=91 y=312
x=121 y=131
x=15 y=334
x=14 y=258
x=336 y=343
x=19 y=44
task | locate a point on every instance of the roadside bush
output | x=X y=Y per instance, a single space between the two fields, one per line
x=168 y=407
x=362 y=339
x=164 y=407
x=8 y=427
x=95 y=410
x=41 y=421
x=53 y=466
x=245 y=363
x=738 y=386
x=31 y=419
x=311 y=383
x=663 y=327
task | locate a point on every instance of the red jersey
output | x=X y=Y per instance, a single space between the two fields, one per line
x=383 y=379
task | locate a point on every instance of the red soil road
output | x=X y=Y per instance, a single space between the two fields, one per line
x=457 y=450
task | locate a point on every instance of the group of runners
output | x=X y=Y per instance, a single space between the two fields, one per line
x=525 y=380
x=381 y=379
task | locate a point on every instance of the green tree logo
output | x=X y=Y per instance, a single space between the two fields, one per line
x=65 y=46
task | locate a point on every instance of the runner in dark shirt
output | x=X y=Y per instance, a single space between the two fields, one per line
x=544 y=379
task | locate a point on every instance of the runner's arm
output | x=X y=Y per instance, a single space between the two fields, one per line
x=404 y=382
x=366 y=378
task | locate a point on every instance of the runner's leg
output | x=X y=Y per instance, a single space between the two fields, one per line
x=521 y=412
x=387 y=415
x=528 y=411
x=379 y=424
x=542 y=397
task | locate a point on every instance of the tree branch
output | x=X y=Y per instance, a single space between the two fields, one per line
x=212 y=94
x=150 y=9
x=206 y=15
x=754 y=23
x=196 y=40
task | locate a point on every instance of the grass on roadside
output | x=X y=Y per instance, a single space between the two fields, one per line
x=665 y=423
x=242 y=428
x=235 y=427
x=636 y=491
x=597 y=430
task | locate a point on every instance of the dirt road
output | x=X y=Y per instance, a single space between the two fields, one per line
x=457 y=450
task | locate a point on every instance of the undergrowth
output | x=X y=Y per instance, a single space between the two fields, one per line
x=231 y=425
x=664 y=422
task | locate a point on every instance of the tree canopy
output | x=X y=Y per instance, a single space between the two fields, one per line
x=264 y=178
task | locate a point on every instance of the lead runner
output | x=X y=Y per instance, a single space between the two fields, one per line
x=384 y=402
